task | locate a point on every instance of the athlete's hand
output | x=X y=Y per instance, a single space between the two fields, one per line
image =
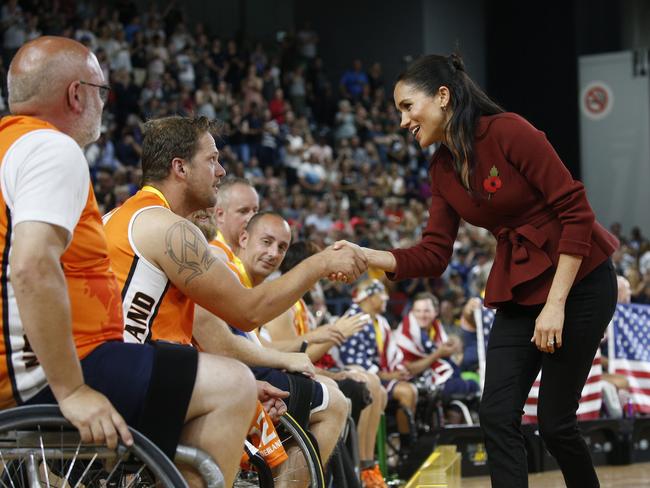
x=351 y=324
x=96 y=419
x=299 y=362
x=344 y=261
x=325 y=333
x=445 y=349
x=271 y=398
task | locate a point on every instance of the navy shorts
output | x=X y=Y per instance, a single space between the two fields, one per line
x=150 y=385
x=318 y=395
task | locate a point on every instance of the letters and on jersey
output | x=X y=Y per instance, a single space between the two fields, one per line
x=153 y=307
x=44 y=178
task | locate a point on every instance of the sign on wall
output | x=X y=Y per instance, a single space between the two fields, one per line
x=614 y=108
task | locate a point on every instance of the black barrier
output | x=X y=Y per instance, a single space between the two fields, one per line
x=641 y=440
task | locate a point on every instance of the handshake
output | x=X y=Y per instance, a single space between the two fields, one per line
x=343 y=261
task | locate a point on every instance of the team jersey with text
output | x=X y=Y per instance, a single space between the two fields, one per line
x=154 y=309
x=44 y=178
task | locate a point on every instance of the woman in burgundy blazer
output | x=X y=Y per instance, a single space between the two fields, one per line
x=552 y=281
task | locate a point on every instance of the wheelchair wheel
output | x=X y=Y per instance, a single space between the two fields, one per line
x=39 y=448
x=303 y=469
x=307 y=470
x=257 y=474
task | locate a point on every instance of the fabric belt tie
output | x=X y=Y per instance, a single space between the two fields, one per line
x=522 y=246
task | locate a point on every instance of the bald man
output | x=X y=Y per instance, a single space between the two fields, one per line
x=62 y=307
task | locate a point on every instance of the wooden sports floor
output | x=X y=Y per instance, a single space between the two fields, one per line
x=632 y=476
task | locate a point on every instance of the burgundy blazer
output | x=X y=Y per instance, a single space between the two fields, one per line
x=524 y=195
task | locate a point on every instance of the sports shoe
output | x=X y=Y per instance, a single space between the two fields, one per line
x=372 y=478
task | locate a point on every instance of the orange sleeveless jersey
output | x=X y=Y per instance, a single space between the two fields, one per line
x=94 y=293
x=154 y=309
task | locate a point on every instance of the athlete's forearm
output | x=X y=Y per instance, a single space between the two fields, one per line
x=214 y=336
x=266 y=301
x=416 y=367
x=41 y=293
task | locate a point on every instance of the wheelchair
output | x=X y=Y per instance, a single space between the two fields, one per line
x=303 y=470
x=431 y=415
x=40 y=448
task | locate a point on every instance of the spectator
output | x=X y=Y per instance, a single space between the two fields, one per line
x=353 y=81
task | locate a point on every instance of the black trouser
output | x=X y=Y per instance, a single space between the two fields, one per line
x=512 y=365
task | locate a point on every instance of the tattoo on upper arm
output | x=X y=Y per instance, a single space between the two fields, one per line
x=186 y=246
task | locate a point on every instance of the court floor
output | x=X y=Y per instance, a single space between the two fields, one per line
x=632 y=476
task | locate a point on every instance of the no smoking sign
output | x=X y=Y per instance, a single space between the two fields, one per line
x=596 y=100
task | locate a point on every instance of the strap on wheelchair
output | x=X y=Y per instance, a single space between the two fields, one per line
x=299 y=401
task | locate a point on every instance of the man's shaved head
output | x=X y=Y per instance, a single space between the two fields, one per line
x=44 y=81
x=44 y=65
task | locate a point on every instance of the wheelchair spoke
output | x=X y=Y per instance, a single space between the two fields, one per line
x=117 y=464
x=286 y=477
x=74 y=460
x=83 y=475
x=40 y=441
x=136 y=476
x=6 y=468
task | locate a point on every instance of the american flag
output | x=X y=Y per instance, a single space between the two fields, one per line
x=592 y=395
x=629 y=351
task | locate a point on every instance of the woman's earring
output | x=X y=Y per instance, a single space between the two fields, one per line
x=443 y=107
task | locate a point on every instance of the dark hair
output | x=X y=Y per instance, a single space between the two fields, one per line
x=168 y=138
x=467 y=102
x=296 y=254
x=428 y=296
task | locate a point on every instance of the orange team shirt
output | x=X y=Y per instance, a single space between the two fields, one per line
x=92 y=288
x=154 y=309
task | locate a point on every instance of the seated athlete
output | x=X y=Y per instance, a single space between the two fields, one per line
x=374 y=349
x=164 y=264
x=262 y=248
x=63 y=322
x=295 y=325
x=426 y=347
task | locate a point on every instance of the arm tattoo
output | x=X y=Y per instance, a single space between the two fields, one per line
x=186 y=246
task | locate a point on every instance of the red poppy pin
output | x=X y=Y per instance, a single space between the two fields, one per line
x=492 y=183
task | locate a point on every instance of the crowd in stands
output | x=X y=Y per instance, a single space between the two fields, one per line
x=328 y=156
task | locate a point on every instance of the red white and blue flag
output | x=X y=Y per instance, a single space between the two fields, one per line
x=629 y=351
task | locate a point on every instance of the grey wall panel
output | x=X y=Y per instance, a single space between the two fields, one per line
x=614 y=109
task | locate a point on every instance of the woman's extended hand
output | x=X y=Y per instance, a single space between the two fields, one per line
x=548 y=328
